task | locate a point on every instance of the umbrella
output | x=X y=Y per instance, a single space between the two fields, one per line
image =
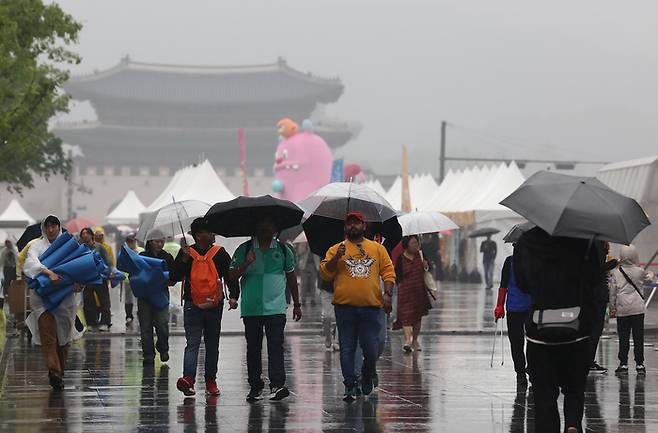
x=577 y=207
x=31 y=232
x=326 y=209
x=484 y=231
x=337 y=199
x=238 y=217
x=77 y=224
x=171 y=220
x=418 y=223
x=515 y=232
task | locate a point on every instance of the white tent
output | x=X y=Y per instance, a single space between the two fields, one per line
x=196 y=182
x=127 y=211
x=377 y=186
x=421 y=186
x=15 y=212
x=638 y=179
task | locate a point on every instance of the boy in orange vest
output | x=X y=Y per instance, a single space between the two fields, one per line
x=202 y=266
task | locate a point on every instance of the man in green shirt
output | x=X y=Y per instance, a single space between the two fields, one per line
x=265 y=268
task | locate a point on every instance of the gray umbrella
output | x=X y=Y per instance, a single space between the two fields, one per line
x=577 y=207
x=484 y=231
x=515 y=232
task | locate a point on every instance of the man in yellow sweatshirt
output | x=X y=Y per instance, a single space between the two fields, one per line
x=356 y=266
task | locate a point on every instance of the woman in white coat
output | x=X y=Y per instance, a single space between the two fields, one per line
x=53 y=330
x=627 y=299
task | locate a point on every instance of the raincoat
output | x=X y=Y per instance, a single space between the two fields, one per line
x=65 y=313
x=623 y=295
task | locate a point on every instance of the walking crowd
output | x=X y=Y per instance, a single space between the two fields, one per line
x=554 y=292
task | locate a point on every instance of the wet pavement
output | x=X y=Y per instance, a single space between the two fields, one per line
x=447 y=387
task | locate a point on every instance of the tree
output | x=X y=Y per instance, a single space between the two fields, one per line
x=33 y=40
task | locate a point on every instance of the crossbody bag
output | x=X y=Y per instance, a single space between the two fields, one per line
x=629 y=281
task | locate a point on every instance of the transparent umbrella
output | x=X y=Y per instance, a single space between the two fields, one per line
x=171 y=220
x=418 y=223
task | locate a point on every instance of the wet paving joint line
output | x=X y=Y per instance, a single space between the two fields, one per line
x=399 y=397
x=470 y=387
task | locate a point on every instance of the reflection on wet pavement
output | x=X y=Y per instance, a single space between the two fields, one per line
x=448 y=387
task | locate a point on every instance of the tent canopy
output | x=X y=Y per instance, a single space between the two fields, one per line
x=127 y=211
x=195 y=182
x=421 y=186
x=15 y=212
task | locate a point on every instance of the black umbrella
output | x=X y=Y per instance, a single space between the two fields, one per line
x=239 y=217
x=484 y=231
x=322 y=233
x=577 y=207
x=515 y=232
x=30 y=233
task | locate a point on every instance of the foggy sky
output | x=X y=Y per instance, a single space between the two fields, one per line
x=560 y=79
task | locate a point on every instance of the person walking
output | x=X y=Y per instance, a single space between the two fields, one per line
x=518 y=306
x=53 y=330
x=96 y=297
x=129 y=298
x=489 y=251
x=356 y=266
x=413 y=302
x=149 y=315
x=627 y=305
x=202 y=266
x=8 y=261
x=559 y=274
x=265 y=267
x=307 y=268
x=602 y=298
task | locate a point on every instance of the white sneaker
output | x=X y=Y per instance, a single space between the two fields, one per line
x=103 y=328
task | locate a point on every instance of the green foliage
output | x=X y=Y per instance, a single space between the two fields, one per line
x=33 y=40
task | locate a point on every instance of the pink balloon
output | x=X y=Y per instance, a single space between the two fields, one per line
x=303 y=164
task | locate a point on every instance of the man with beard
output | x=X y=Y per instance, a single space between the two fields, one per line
x=356 y=266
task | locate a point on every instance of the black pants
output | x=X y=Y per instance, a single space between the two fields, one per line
x=89 y=304
x=253 y=332
x=9 y=275
x=625 y=325
x=516 y=335
x=598 y=321
x=149 y=318
x=555 y=368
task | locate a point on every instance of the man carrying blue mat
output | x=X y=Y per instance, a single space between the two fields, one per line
x=55 y=267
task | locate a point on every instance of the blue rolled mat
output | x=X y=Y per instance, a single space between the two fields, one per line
x=147 y=276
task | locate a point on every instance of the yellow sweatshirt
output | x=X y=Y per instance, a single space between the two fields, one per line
x=356 y=281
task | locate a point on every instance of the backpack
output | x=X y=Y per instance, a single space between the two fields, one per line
x=205 y=285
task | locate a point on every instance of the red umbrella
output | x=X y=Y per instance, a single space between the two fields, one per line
x=76 y=224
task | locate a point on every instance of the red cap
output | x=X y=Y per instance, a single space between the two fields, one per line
x=357 y=215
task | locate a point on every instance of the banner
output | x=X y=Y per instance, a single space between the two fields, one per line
x=337 y=170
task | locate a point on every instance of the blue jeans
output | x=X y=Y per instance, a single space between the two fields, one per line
x=381 y=341
x=198 y=323
x=358 y=325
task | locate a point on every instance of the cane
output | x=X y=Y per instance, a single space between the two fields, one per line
x=493 y=349
x=502 y=344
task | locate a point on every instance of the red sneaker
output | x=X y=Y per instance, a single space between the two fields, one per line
x=186 y=385
x=211 y=388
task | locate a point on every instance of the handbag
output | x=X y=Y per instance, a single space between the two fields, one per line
x=430 y=282
x=560 y=322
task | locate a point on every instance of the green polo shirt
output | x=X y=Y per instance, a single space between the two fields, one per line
x=263 y=285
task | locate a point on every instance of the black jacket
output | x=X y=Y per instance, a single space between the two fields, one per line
x=222 y=260
x=557 y=272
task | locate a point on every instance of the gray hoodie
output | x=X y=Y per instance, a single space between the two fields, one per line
x=623 y=295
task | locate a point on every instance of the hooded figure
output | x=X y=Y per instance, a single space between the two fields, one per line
x=52 y=330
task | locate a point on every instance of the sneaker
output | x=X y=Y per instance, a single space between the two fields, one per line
x=350 y=394
x=186 y=386
x=407 y=348
x=103 y=328
x=640 y=369
x=211 y=388
x=596 y=368
x=129 y=321
x=623 y=368
x=164 y=357
x=255 y=394
x=366 y=386
x=279 y=393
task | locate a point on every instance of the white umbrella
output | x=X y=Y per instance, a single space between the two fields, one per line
x=171 y=220
x=417 y=223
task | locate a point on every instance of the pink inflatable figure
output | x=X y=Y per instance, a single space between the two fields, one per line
x=302 y=165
